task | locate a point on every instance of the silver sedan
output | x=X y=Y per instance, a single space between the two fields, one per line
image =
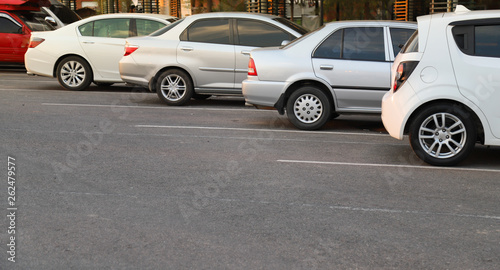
x=202 y=55
x=343 y=67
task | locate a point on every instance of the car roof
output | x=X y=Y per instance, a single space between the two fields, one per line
x=127 y=15
x=232 y=14
x=373 y=23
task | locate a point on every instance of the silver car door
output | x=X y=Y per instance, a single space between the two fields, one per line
x=354 y=62
x=206 y=51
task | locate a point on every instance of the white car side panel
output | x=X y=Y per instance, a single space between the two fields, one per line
x=104 y=54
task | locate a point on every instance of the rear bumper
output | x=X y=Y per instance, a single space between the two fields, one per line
x=39 y=63
x=262 y=94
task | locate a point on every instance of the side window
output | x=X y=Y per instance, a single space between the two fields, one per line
x=208 y=31
x=331 y=47
x=112 y=28
x=9 y=27
x=146 y=27
x=399 y=36
x=487 y=42
x=478 y=40
x=260 y=34
x=364 y=43
x=87 y=30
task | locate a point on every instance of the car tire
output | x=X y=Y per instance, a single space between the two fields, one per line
x=174 y=87
x=74 y=73
x=308 y=108
x=443 y=135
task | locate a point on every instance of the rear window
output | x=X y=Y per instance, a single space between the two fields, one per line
x=301 y=30
x=478 y=40
x=412 y=44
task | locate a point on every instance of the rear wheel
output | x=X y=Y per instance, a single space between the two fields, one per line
x=174 y=87
x=443 y=135
x=74 y=73
x=308 y=108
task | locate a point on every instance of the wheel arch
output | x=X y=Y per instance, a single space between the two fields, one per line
x=60 y=59
x=467 y=109
x=154 y=79
x=298 y=84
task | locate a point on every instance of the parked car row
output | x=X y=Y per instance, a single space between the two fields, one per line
x=427 y=90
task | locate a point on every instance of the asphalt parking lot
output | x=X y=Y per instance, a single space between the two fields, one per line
x=111 y=178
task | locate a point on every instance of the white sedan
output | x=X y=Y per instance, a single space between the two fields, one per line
x=88 y=50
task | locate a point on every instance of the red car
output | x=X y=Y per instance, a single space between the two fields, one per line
x=18 y=18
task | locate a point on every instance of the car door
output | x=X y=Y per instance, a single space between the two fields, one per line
x=355 y=62
x=103 y=42
x=251 y=34
x=14 y=40
x=206 y=50
x=475 y=53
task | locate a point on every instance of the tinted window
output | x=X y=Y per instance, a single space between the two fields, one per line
x=166 y=28
x=112 y=28
x=331 y=47
x=146 y=27
x=87 y=29
x=364 y=43
x=487 y=41
x=209 y=31
x=9 y=27
x=301 y=30
x=399 y=36
x=260 y=34
x=64 y=14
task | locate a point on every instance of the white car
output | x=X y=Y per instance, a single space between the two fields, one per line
x=446 y=88
x=88 y=50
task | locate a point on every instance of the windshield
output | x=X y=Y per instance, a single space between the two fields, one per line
x=412 y=44
x=297 y=40
x=163 y=30
x=35 y=20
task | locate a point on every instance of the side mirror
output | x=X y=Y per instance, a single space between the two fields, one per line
x=51 y=21
x=285 y=42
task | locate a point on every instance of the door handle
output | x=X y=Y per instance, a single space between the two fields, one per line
x=326 y=67
x=88 y=42
x=245 y=52
x=187 y=49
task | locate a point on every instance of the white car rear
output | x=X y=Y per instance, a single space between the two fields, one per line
x=446 y=87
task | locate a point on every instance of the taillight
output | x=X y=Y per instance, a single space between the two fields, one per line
x=252 y=71
x=35 y=41
x=403 y=71
x=130 y=49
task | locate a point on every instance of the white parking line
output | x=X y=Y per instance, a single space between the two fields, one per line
x=259 y=130
x=143 y=107
x=388 y=165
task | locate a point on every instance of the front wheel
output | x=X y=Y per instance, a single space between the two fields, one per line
x=308 y=108
x=174 y=87
x=443 y=135
x=74 y=73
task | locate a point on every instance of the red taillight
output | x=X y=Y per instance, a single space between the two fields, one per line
x=403 y=71
x=130 y=49
x=35 y=41
x=252 y=71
